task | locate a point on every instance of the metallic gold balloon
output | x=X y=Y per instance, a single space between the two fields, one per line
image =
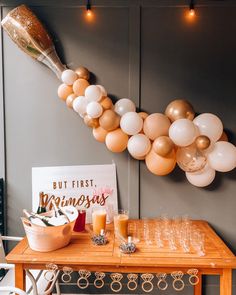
x=179 y=109
x=29 y=34
x=202 y=142
x=109 y=120
x=163 y=146
x=91 y=122
x=83 y=73
x=224 y=137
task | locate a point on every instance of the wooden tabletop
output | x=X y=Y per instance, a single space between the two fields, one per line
x=82 y=253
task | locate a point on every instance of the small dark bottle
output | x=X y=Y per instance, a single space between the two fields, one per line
x=41 y=207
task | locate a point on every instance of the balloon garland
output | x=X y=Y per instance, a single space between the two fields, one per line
x=198 y=144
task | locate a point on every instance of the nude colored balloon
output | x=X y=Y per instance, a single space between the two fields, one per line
x=209 y=125
x=179 y=109
x=68 y=77
x=103 y=90
x=94 y=109
x=160 y=165
x=139 y=145
x=116 y=141
x=64 y=91
x=83 y=73
x=156 y=125
x=70 y=99
x=100 y=134
x=143 y=115
x=223 y=156
x=182 y=132
x=79 y=105
x=224 y=137
x=79 y=86
x=201 y=178
x=106 y=103
x=93 y=93
x=131 y=123
x=191 y=159
x=163 y=146
x=109 y=120
x=124 y=105
x=91 y=122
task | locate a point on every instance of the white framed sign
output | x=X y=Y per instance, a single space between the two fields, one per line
x=84 y=186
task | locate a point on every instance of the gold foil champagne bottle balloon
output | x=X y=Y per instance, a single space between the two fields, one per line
x=29 y=34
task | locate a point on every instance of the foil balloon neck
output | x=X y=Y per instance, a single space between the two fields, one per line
x=29 y=34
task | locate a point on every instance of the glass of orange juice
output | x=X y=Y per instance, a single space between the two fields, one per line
x=99 y=216
x=121 y=220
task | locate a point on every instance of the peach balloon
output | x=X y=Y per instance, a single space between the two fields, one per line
x=156 y=125
x=224 y=137
x=143 y=115
x=109 y=120
x=64 y=91
x=160 y=165
x=79 y=86
x=100 y=134
x=70 y=99
x=116 y=141
x=91 y=122
x=106 y=103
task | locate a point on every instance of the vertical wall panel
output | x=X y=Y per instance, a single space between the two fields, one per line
x=195 y=61
x=40 y=130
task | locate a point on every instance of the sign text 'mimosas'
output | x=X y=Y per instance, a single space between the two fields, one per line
x=83 y=200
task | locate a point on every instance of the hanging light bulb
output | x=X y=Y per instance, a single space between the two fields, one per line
x=88 y=9
x=191 y=9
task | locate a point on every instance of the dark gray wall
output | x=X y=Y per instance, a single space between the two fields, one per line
x=144 y=50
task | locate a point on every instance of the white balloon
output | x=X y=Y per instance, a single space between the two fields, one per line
x=209 y=125
x=139 y=145
x=124 y=105
x=223 y=156
x=201 y=178
x=68 y=77
x=94 y=109
x=93 y=93
x=80 y=105
x=131 y=123
x=183 y=132
x=102 y=88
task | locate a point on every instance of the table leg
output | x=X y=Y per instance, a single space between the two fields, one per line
x=226 y=282
x=19 y=276
x=198 y=287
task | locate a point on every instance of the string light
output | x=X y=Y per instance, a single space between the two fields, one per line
x=88 y=9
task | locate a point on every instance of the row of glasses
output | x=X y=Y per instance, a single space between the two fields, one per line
x=174 y=233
